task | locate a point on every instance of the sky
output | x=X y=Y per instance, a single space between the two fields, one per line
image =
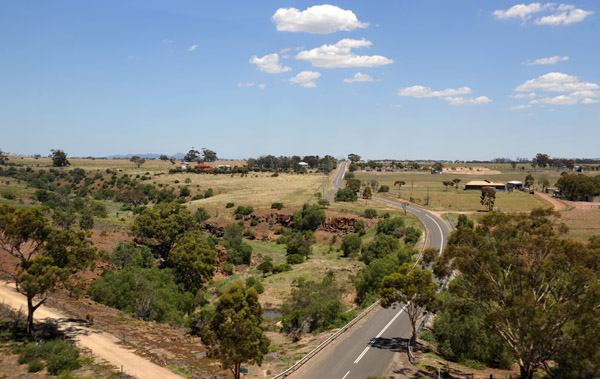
x=453 y=80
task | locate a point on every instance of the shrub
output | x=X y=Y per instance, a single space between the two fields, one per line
x=241 y=211
x=384 y=188
x=294 y=259
x=309 y=218
x=254 y=282
x=201 y=215
x=370 y=213
x=230 y=205
x=279 y=230
x=351 y=245
x=254 y=222
x=359 y=227
x=265 y=267
x=249 y=233
x=389 y=226
x=227 y=268
x=281 y=268
x=412 y=235
x=208 y=193
x=35 y=365
x=345 y=194
x=277 y=206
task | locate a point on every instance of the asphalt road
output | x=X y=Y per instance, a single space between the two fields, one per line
x=369 y=347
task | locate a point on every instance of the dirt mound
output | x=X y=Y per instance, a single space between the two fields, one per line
x=470 y=171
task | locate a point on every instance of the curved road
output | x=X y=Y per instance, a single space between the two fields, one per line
x=368 y=348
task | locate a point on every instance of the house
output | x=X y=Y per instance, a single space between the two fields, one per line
x=184 y=165
x=224 y=166
x=303 y=164
x=514 y=185
x=478 y=184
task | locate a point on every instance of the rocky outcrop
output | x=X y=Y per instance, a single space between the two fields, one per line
x=215 y=230
x=282 y=219
x=343 y=225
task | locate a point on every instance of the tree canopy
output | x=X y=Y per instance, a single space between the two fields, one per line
x=234 y=335
x=59 y=158
x=535 y=288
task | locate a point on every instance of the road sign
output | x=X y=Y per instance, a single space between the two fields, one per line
x=243 y=370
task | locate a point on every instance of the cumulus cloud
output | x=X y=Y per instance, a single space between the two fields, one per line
x=262 y=86
x=556 y=82
x=420 y=92
x=269 y=64
x=340 y=55
x=454 y=100
x=192 y=48
x=306 y=79
x=518 y=107
x=245 y=84
x=564 y=14
x=574 y=90
x=521 y=11
x=529 y=95
x=549 y=60
x=359 y=77
x=318 y=19
x=451 y=95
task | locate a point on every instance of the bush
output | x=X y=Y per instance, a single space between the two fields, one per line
x=389 y=226
x=412 y=235
x=229 y=205
x=254 y=222
x=277 y=206
x=254 y=282
x=345 y=194
x=265 y=267
x=208 y=193
x=309 y=218
x=280 y=230
x=241 y=211
x=201 y=215
x=35 y=365
x=384 y=188
x=351 y=245
x=359 y=228
x=294 y=259
x=227 y=268
x=281 y=268
x=370 y=213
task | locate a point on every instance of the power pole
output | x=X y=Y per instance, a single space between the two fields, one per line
x=427 y=202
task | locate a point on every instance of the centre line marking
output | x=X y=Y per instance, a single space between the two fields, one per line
x=346 y=375
x=379 y=335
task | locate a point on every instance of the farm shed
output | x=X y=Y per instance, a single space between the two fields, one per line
x=478 y=184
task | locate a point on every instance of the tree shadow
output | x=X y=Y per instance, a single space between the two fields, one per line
x=396 y=344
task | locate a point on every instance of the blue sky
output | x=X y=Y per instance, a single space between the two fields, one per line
x=415 y=80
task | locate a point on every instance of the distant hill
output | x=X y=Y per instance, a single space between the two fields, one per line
x=146 y=156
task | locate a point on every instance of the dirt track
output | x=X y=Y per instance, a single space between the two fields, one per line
x=103 y=345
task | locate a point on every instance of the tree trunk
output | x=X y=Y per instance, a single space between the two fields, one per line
x=236 y=370
x=527 y=371
x=30 y=310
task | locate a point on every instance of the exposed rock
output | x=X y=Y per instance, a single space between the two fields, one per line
x=216 y=230
x=344 y=225
x=282 y=219
x=221 y=254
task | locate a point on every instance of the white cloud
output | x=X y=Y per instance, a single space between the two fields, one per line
x=306 y=79
x=529 y=95
x=564 y=14
x=549 y=60
x=262 y=86
x=556 y=82
x=521 y=11
x=246 y=84
x=269 y=64
x=359 y=77
x=569 y=16
x=467 y=100
x=318 y=19
x=518 y=107
x=192 y=48
x=284 y=50
x=420 y=92
x=450 y=95
x=574 y=90
x=339 y=55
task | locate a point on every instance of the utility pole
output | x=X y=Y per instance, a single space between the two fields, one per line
x=427 y=202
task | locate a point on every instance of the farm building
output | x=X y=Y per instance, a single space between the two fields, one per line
x=203 y=167
x=514 y=185
x=303 y=164
x=478 y=184
x=184 y=165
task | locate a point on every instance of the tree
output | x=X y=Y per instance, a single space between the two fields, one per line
x=172 y=160
x=533 y=287
x=323 y=203
x=415 y=288
x=448 y=183
x=193 y=261
x=456 y=181
x=544 y=182
x=59 y=158
x=353 y=158
x=192 y=156
x=399 y=183
x=345 y=194
x=488 y=197
x=235 y=335
x=437 y=166
x=542 y=160
x=3 y=157
x=354 y=184
x=529 y=180
x=163 y=158
x=160 y=227
x=513 y=164
x=137 y=160
x=209 y=155
x=351 y=244
x=309 y=218
x=48 y=258
x=367 y=193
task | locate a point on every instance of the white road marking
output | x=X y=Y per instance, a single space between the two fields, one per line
x=439 y=227
x=379 y=335
x=346 y=375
